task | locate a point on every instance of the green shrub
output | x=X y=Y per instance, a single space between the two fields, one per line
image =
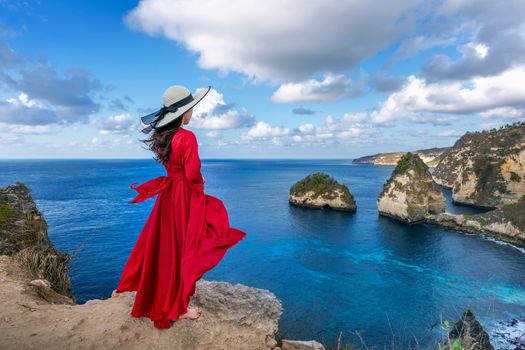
x=5 y=211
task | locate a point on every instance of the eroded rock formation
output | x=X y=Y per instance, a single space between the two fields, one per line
x=410 y=194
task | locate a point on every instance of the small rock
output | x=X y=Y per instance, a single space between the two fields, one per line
x=301 y=345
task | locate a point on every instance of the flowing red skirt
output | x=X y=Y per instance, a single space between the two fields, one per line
x=186 y=234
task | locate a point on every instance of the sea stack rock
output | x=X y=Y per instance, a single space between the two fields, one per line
x=319 y=190
x=487 y=168
x=410 y=194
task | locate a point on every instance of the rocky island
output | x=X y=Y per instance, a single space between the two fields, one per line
x=410 y=194
x=39 y=310
x=319 y=190
x=487 y=168
x=430 y=156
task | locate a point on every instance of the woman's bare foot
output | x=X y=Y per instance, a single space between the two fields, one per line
x=192 y=313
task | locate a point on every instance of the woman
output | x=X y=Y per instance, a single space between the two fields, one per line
x=187 y=232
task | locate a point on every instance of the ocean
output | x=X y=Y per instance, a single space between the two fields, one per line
x=361 y=275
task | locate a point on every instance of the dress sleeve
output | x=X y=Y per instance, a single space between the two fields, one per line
x=192 y=162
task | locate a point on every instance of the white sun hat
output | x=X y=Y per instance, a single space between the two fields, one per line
x=177 y=100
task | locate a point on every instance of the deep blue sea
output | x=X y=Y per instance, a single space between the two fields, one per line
x=357 y=273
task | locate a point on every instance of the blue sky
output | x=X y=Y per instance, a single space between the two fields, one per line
x=323 y=79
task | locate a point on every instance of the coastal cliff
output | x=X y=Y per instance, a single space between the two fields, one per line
x=487 y=168
x=429 y=156
x=23 y=235
x=410 y=194
x=319 y=190
x=39 y=309
x=506 y=223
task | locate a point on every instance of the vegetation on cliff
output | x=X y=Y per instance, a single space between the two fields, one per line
x=407 y=162
x=486 y=168
x=410 y=193
x=513 y=214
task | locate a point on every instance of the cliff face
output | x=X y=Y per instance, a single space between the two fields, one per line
x=23 y=235
x=430 y=156
x=487 y=168
x=319 y=190
x=38 y=311
x=506 y=223
x=410 y=194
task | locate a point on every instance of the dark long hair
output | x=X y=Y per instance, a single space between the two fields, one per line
x=160 y=140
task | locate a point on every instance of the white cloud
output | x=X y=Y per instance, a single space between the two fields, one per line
x=343 y=130
x=263 y=131
x=116 y=124
x=26 y=129
x=355 y=117
x=113 y=141
x=495 y=39
x=346 y=129
x=278 y=40
x=214 y=114
x=213 y=134
x=420 y=101
x=451 y=133
x=331 y=88
x=504 y=113
x=307 y=129
x=23 y=110
x=24 y=100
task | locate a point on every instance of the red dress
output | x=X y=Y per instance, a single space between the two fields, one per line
x=186 y=234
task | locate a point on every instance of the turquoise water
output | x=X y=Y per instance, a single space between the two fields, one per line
x=334 y=272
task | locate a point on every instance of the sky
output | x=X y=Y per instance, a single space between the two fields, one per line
x=289 y=78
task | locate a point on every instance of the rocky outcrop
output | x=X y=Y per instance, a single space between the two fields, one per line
x=430 y=156
x=23 y=234
x=506 y=223
x=487 y=168
x=319 y=190
x=468 y=334
x=233 y=317
x=39 y=314
x=410 y=194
